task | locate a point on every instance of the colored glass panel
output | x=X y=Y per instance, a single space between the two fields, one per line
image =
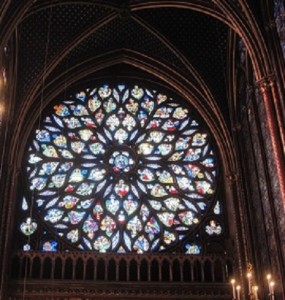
x=120 y=169
x=279 y=15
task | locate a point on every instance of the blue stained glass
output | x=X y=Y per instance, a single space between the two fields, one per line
x=79 y=110
x=279 y=15
x=141 y=244
x=81 y=96
x=49 y=246
x=152 y=227
x=43 y=136
x=193 y=249
x=38 y=183
x=61 y=110
x=87 y=243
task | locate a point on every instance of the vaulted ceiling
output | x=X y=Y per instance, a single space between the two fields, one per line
x=55 y=35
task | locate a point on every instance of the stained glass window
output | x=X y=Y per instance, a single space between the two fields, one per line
x=122 y=169
x=279 y=15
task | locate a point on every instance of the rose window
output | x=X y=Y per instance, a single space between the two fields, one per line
x=120 y=169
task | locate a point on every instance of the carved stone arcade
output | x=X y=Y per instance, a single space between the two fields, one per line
x=85 y=275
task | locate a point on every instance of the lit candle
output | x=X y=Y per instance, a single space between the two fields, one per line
x=269 y=280
x=238 y=292
x=1 y=109
x=249 y=277
x=233 y=282
x=255 y=289
x=271 y=289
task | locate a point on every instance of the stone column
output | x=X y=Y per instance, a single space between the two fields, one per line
x=265 y=87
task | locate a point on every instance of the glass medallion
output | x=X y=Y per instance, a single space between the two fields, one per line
x=90 y=226
x=121 y=188
x=152 y=227
x=28 y=227
x=102 y=244
x=61 y=110
x=172 y=203
x=213 y=228
x=193 y=249
x=112 y=205
x=73 y=236
x=53 y=215
x=57 y=180
x=146 y=175
x=26 y=247
x=42 y=135
x=121 y=161
x=49 y=246
x=130 y=205
x=134 y=226
x=75 y=217
x=169 y=237
x=48 y=168
x=122 y=169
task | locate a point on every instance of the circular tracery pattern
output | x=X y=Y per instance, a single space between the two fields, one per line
x=121 y=169
x=121 y=160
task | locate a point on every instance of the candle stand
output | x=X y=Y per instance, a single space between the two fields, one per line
x=252 y=287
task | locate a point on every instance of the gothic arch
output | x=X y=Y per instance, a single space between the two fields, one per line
x=183 y=86
x=235 y=14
